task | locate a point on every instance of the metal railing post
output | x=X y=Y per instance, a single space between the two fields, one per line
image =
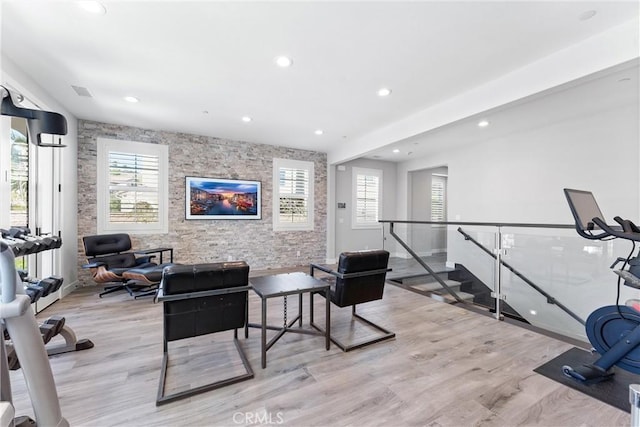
x=424 y=265
x=497 y=286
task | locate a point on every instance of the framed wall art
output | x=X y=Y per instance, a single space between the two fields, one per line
x=216 y=198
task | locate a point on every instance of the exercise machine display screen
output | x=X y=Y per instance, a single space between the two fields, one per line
x=584 y=208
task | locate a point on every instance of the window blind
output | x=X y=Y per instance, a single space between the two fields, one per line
x=294 y=195
x=133 y=188
x=367 y=198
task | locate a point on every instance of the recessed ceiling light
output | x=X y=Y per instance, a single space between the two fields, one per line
x=246 y=119
x=483 y=123
x=131 y=99
x=94 y=7
x=585 y=16
x=319 y=132
x=396 y=151
x=384 y=92
x=284 y=61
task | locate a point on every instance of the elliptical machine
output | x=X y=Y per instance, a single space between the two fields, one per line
x=613 y=330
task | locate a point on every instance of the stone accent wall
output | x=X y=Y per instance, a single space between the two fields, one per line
x=197 y=241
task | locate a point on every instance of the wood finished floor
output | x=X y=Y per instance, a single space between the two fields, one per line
x=446 y=367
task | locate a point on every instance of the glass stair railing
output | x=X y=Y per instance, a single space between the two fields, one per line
x=543 y=274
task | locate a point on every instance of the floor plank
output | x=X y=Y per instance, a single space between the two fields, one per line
x=446 y=367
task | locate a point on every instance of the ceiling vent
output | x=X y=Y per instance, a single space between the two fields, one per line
x=81 y=91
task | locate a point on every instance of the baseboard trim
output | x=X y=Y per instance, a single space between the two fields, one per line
x=67 y=289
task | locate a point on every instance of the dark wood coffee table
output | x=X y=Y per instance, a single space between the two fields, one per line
x=282 y=285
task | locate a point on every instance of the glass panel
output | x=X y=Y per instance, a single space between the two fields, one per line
x=550 y=278
x=19 y=173
x=572 y=270
x=469 y=253
x=465 y=269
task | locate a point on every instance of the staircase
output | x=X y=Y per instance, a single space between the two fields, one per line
x=467 y=286
x=425 y=284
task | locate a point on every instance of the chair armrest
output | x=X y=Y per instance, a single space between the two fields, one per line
x=199 y=294
x=313 y=267
x=144 y=259
x=159 y=251
x=363 y=273
x=347 y=275
x=150 y=251
x=95 y=264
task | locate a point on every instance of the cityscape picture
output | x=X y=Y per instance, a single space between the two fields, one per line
x=213 y=198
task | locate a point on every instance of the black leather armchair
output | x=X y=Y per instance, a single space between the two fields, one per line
x=360 y=278
x=109 y=257
x=203 y=299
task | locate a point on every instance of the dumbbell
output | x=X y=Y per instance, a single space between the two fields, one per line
x=56 y=283
x=12 y=357
x=33 y=291
x=16 y=246
x=48 y=285
x=51 y=327
x=31 y=243
x=57 y=322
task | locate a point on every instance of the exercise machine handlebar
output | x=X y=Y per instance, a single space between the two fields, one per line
x=629 y=231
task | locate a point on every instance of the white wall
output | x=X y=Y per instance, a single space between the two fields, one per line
x=16 y=79
x=520 y=177
x=346 y=237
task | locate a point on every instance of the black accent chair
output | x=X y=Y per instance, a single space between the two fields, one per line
x=360 y=278
x=109 y=257
x=203 y=299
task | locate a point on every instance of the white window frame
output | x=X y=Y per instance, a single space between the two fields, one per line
x=105 y=146
x=294 y=164
x=355 y=223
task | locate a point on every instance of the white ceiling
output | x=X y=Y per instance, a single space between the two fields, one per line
x=182 y=58
x=611 y=88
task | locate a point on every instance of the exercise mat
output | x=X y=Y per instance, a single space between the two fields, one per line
x=614 y=391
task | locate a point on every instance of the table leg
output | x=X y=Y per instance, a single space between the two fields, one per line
x=300 y=310
x=264 y=333
x=246 y=317
x=327 y=324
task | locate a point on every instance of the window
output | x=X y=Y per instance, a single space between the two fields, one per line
x=367 y=197
x=132 y=187
x=292 y=195
x=19 y=173
x=438 y=198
